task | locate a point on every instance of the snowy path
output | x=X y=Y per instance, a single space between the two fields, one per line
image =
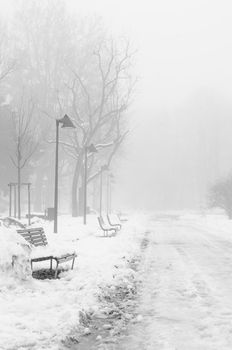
x=42 y=314
x=186 y=298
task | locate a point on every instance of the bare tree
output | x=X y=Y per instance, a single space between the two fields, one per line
x=220 y=195
x=25 y=140
x=99 y=95
x=7 y=64
x=71 y=67
x=40 y=40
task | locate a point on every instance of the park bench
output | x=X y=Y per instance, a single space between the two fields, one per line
x=9 y=221
x=114 y=221
x=37 y=238
x=122 y=217
x=105 y=227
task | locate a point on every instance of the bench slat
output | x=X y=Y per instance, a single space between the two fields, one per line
x=104 y=227
x=42 y=258
x=37 y=242
x=35 y=229
x=33 y=233
x=66 y=258
x=35 y=237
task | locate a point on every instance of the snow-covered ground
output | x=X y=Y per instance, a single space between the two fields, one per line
x=38 y=314
x=185 y=299
x=184 y=285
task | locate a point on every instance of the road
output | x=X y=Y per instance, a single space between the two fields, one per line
x=185 y=300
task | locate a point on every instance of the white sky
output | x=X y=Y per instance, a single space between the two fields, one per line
x=183 y=46
x=181 y=43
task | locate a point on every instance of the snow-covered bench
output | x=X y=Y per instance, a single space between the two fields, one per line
x=41 y=251
x=106 y=228
x=114 y=221
x=122 y=217
x=9 y=221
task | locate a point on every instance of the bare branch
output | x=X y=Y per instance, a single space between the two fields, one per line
x=111 y=156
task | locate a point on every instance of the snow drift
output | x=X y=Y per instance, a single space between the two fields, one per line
x=14 y=257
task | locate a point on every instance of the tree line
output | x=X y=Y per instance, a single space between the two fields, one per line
x=53 y=63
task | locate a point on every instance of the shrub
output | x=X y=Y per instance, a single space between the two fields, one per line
x=220 y=195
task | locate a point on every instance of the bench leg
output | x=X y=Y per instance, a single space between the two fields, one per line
x=31 y=266
x=73 y=263
x=56 y=272
x=51 y=264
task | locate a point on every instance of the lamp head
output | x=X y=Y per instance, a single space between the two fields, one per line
x=112 y=178
x=91 y=148
x=104 y=167
x=66 y=122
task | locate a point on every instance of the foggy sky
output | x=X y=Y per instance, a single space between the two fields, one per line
x=185 y=55
x=178 y=145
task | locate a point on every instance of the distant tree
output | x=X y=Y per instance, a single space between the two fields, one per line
x=25 y=140
x=100 y=93
x=40 y=40
x=220 y=195
x=7 y=64
x=71 y=65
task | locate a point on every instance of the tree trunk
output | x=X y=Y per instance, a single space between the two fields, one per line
x=38 y=191
x=19 y=192
x=96 y=193
x=81 y=200
x=81 y=191
x=75 y=187
x=229 y=213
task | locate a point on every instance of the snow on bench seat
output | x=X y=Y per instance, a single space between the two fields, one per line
x=43 y=251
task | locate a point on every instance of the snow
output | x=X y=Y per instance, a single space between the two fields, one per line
x=185 y=300
x=38 y=314
x=14 y=258
x=184 y=278
x=57 y=248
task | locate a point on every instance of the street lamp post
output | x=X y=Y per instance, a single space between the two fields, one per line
x=107 y=194
x=66 y=123
x=88 y=149
x=109 y=181
x=10 y=199
x=104 y=167
x=15 y=200
x=29 y=202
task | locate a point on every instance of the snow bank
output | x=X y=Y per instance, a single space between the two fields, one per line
x=42 y=312
x=56 y=249
x=14 y=258
x=211 y=222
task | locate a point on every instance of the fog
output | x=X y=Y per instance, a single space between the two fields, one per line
x=180 y=139
x=179 y=142
x=116 y=166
